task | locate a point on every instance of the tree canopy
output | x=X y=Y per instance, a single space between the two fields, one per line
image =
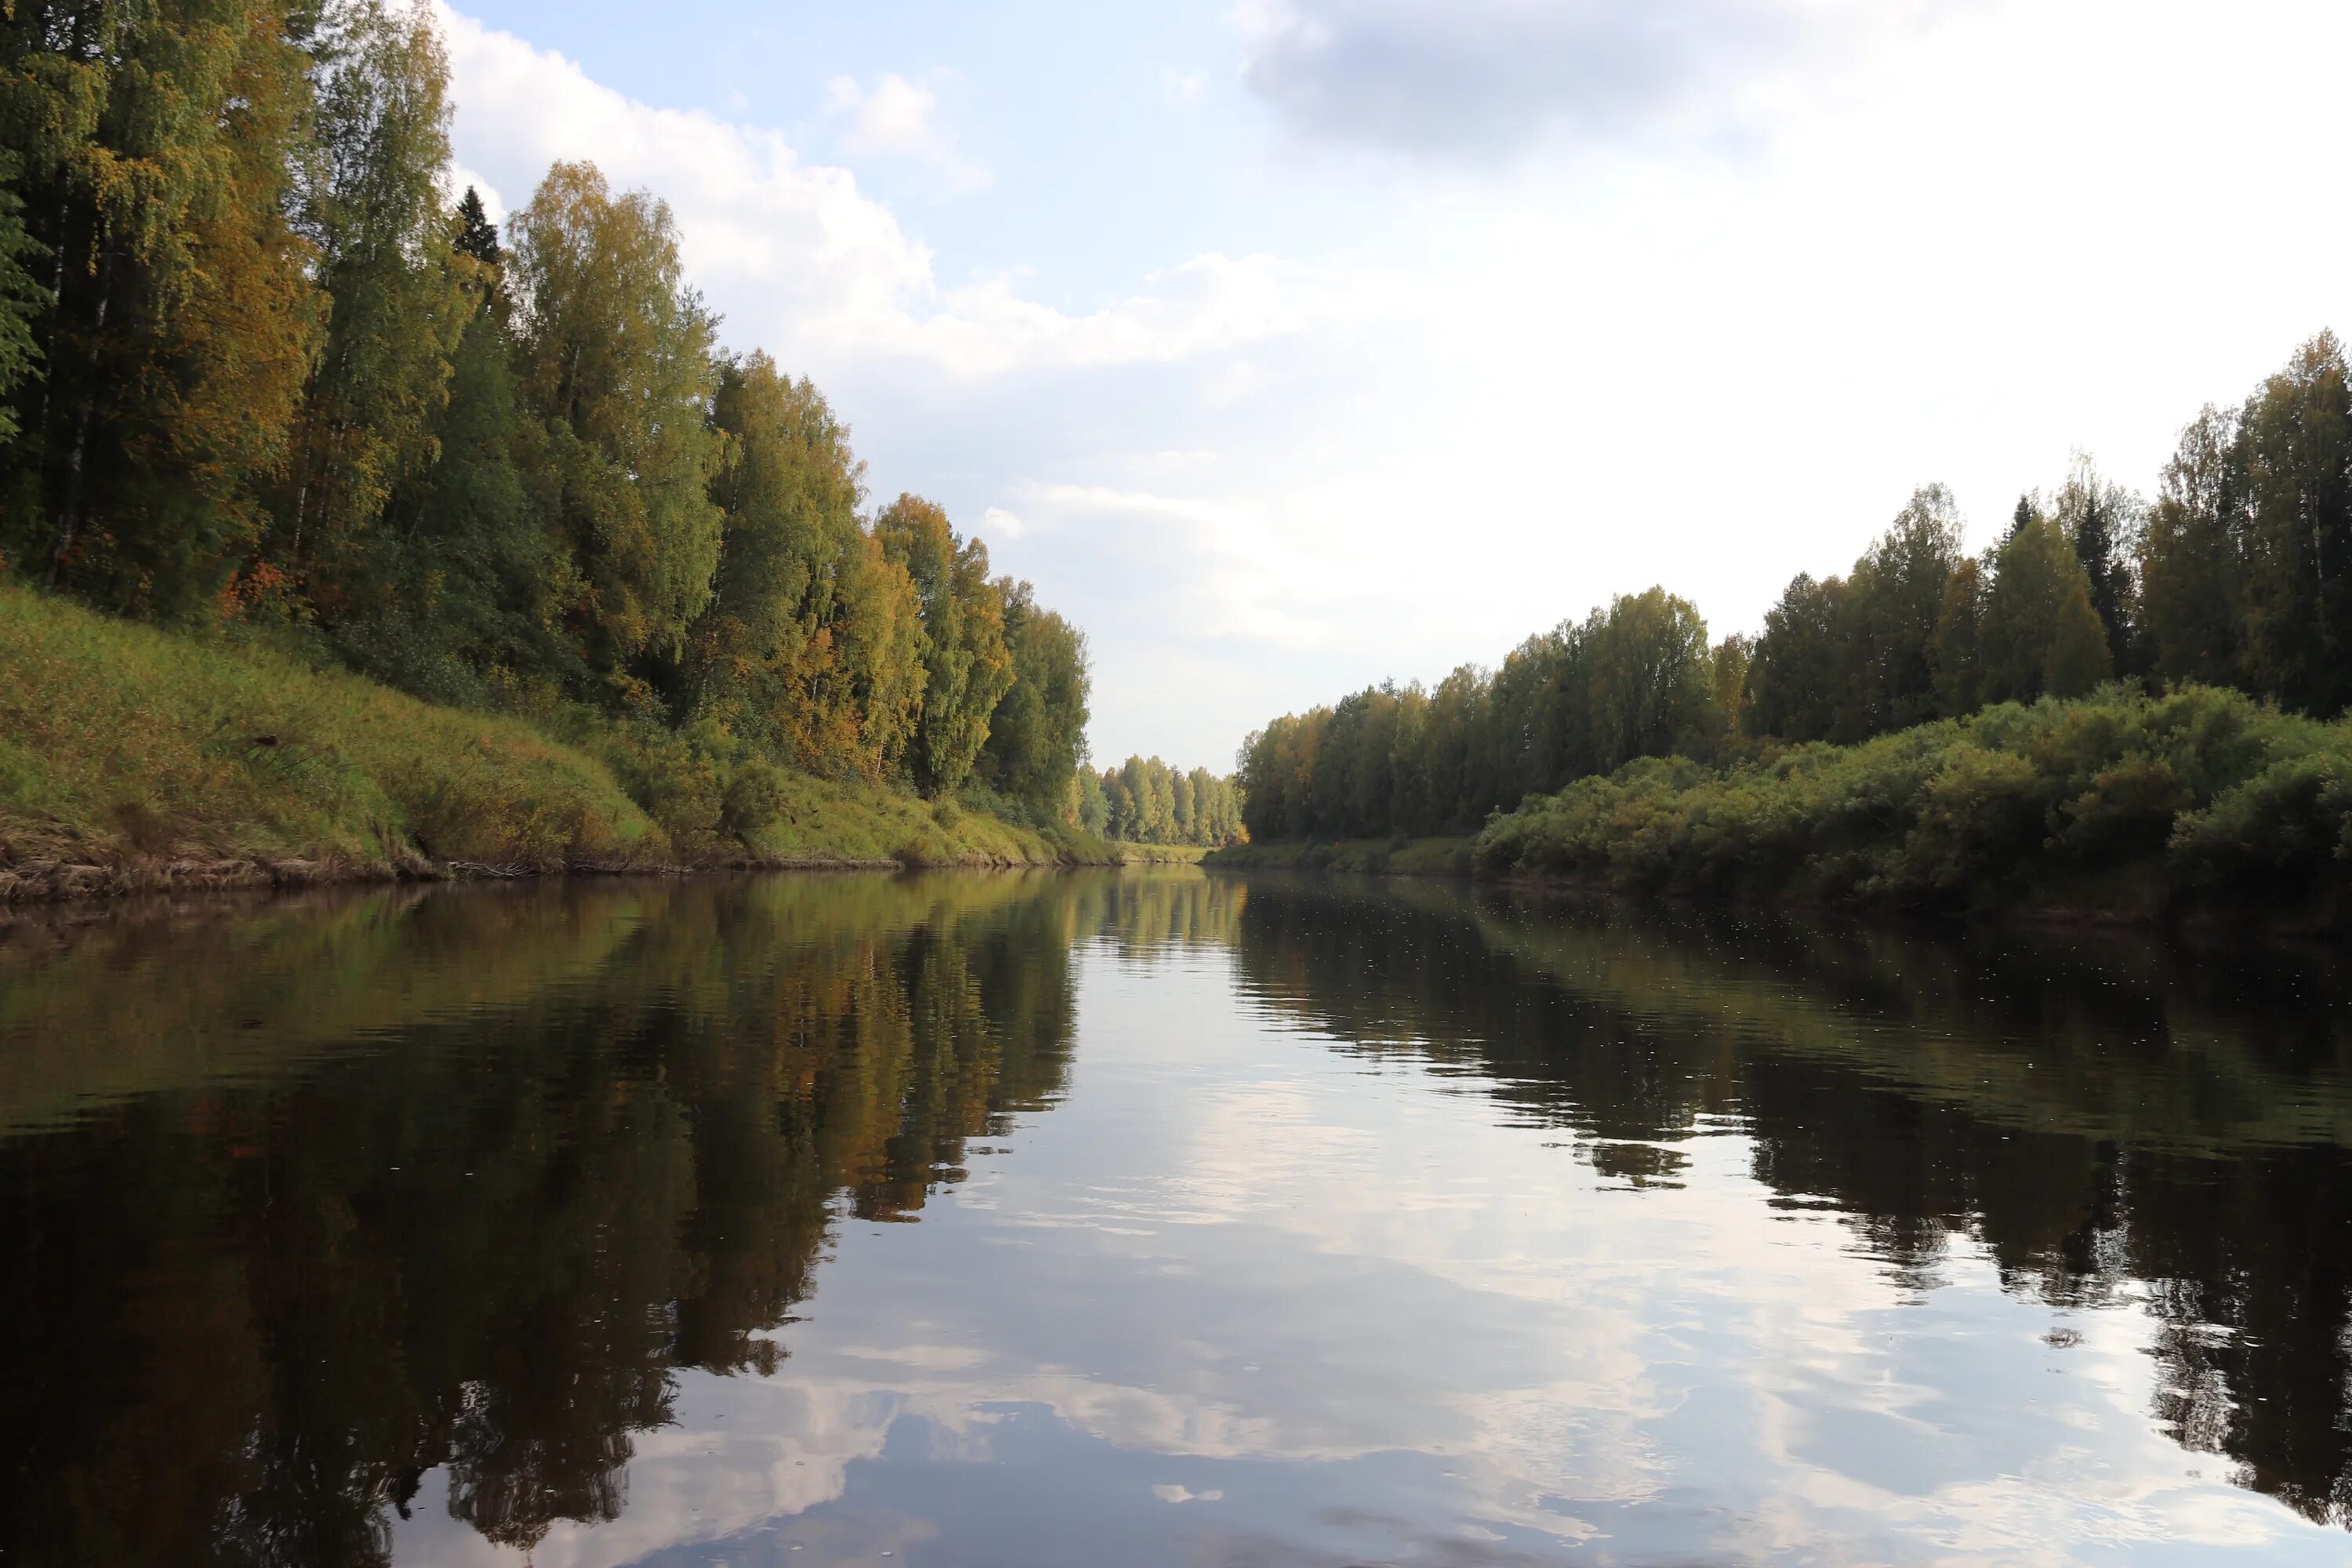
x=2240 y=572
x=259 y=369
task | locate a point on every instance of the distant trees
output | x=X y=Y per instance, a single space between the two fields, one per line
x=1145 y=801
x=256 y=368
x=1638 y=678
x=2240 y=572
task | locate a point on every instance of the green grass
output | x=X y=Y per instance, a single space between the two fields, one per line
x=130 y=757
x=121 y=743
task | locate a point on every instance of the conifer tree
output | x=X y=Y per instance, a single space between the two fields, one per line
x=2103 y=520
x=477 y=237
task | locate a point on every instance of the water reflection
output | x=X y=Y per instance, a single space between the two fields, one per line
x=2109 y=1116
x=420 y=1227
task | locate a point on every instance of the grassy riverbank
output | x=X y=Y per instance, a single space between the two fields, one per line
x=2202 y=801
x=135 y=758
x=2116 y=805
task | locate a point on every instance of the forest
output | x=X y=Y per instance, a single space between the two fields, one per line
x=266 y=380
x=2019 y=683
x=1145 y=801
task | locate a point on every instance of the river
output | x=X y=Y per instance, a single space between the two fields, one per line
x=1161 y=1217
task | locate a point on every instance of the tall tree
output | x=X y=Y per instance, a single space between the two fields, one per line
x=967 y=668
x=2297 y=434
x=372 y=210
x=480 y=587
x=772 y=657
x=1652 y=682
x=1797 y=667
x=2039 y=634
x=1958 y=652
x=1037 y=736
x=477 y=237
x=20 y=295
x=1730 y=666
x=615 y=355
x=2192 y=556
x=2103 y=520
x=156 y=146
x=1893 y=603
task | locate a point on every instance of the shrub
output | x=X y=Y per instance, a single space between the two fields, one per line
x=2202 y=784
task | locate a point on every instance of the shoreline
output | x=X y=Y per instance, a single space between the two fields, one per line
x=41 y=882
x=2322 y=912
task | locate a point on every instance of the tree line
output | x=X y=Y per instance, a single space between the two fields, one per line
x=2238 y=574
x=1145 y=801
x=259 y=369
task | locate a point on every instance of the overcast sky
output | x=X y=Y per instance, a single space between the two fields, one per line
x=1288 y=345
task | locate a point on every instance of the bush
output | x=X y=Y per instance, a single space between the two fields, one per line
x=2205 y=785
x=754 y=800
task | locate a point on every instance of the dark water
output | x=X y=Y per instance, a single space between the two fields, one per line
x=1160 y=1219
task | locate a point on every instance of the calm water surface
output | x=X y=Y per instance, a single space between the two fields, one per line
x=1159 y=1218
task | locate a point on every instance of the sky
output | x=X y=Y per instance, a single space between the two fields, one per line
x=1288 y=346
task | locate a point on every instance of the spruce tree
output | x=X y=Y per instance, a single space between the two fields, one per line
x=477 y=237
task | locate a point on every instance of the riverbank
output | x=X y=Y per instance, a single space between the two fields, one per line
x=137 y=759
x=1363 y=857
x=2201 y=804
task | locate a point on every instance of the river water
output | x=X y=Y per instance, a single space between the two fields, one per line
x=1160 y=1218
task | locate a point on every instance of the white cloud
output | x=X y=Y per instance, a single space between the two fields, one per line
x=1220 y=568
x=1394 y=414
x=996 y=523
x=899 y=119
x=1479 y=79
x=804 y=263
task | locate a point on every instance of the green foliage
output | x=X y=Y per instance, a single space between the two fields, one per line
x=2104 y=521
x=1145 y=801
x=1893 y=607
x=2296 y=458
x=1038 y=736
x=472 y=589
x=2202 y=786
x=2039 y=632
x=967 y=668
x=151 y=745
x=398 y=300
x=2192 y=557
x=809 y=642
x=261 y=384
x=156 y=151
x=614 y=355
x=20 y=296
x=477 y=237
x=1637 y=679
x=1795 y=673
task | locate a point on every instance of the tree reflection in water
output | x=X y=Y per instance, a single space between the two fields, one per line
x=309 y=1200
x=2108 y=1115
